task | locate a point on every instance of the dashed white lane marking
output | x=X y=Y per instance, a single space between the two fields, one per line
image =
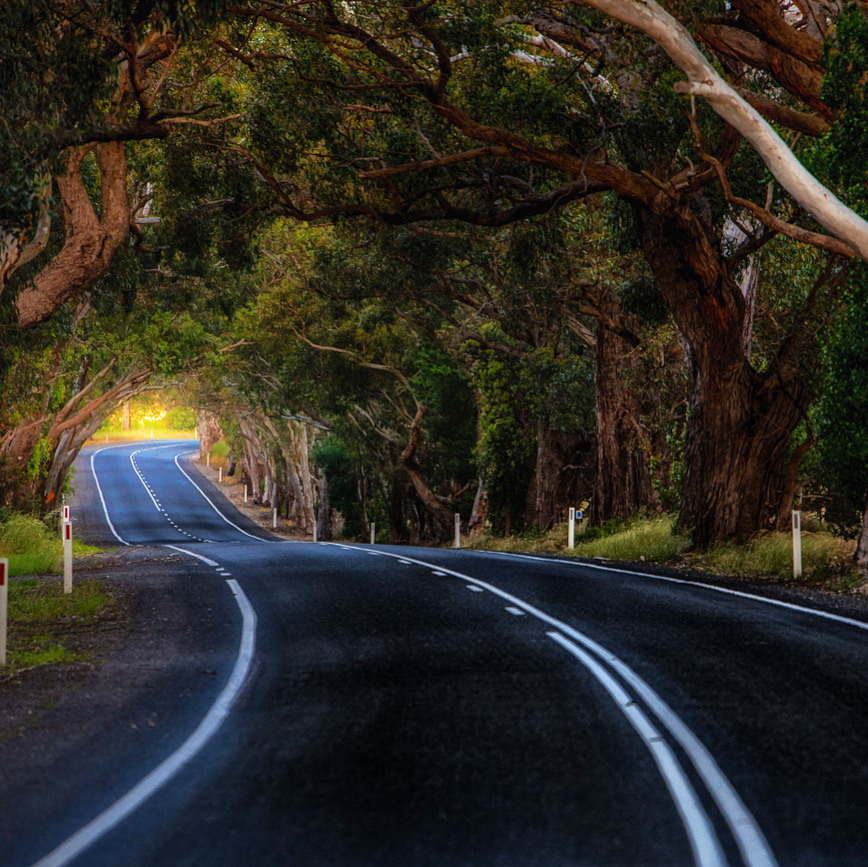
x=156 y=779
x=138 y=472
x=211 y=504
x=471 y=587
x=792 y=606
x=438 y=574
x=516 y=611
x=405 y=562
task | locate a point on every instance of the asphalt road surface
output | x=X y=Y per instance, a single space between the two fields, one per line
x=402 y=707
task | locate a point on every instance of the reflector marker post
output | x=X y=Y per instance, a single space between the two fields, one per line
x=4 y=606
x=67 y=557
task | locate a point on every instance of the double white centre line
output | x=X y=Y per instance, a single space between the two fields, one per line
x=614 y=674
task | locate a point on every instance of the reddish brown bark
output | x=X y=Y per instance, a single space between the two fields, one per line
x=552 y=488
x=860 y=557
x=740 y=422
x=622 y=480
x=91 y=240
x=441 y=516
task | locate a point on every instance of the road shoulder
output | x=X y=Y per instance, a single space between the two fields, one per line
x=96 y=728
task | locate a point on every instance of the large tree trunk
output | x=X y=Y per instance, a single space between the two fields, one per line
x=441 y=517
x=324 y=515
x=395 y=499
x=622 y=480
x=210 y=431
x=556 y=468
x=860 y=557
x=91 y=240
x=740 y=423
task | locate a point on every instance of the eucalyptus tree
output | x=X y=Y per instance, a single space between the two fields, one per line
x=490 y=113
x=80 y=82
x=65 y=378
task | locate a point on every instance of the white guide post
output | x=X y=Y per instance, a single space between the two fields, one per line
x=245 y=493
x=4 y=606
x=220 y=475
x=67 y=557
x=457 y=530
x=797 y=544
x=314 y=532
x=571 y=535
x=208 y=460
x=373 y=533
x=274 y=519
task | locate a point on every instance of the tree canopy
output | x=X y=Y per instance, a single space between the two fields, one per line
x=500 y=255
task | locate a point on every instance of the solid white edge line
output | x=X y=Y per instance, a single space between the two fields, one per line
x=751 y=842
x=792 y=606
x=102 y=498
x=207 y=728
x=703 y=840
x=207 y=498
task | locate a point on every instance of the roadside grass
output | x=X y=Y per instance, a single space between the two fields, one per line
x=826 y=558
x=33 y=548
x=649 y=539
x=48 y=626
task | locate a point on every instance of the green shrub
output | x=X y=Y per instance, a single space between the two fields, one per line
x=648 y=539
x=607 y=528
x=21 y=534
x=34 y=548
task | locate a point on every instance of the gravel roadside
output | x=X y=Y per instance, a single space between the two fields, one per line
x=158 y=660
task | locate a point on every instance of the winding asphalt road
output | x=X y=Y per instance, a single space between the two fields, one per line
x=406 y=707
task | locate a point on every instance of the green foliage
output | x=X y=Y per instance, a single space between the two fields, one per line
x=22 y=534
x=643 y=539
x=334 y=458
x=180 y=418
x=606 y=528
x=844 y=89
x=507 y=446
x=842 y=414
x=451 y=423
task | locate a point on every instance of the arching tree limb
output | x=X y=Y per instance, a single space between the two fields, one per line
x=703 y=80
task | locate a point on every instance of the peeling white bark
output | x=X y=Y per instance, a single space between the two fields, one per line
x=704 y=81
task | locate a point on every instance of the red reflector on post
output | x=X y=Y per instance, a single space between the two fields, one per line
x=2 y=574
x=67 y=532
